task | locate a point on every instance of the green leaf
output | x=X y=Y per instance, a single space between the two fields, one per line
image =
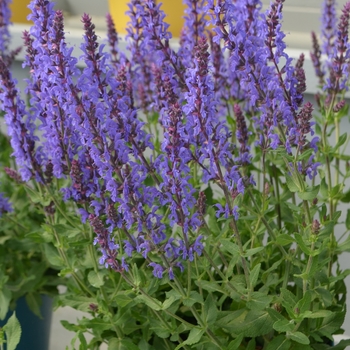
x=193 y=338
x=347 y=221
x=304 y=303
x=171 y=298
x=301 y=243
x=77 y=302
x=324 y=188
x=159 y=328
x=341 y=141
x=52 y=255
x=309 y=194
x=230 y=247
x=210 y=310
x=234 y=345
x=34 y=196
x=342 y=345
x=331 y=324
x=253 y=251
x=212 y=221
x=13 y=332
x=252 y=323
x=123 y=298
x=96 y=278
x=254 y=275
x=325 y=296
x=154 y=304
x=292 y=186
x=259 y=301
x=5 y=299
x=121 y=344
x=34 y=302
x=288 y=298
x=210 y=286
x=283 y=326
x=299 y=337
x=279 y=343
x=284 y=239
x=320 y=314
x=194 y=297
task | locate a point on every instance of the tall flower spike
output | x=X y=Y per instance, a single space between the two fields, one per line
x=194 y=28
x=315 y=55
x=340 y=59
x=113 y=39
x=5 y=16
x=242 y=135
x=141 y=57
x=329 y=26
x=20 y=128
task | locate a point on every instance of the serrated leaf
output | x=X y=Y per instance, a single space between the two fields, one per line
x=34 y=302
x=292 y=186
x=347 y=221
x=96 y=278
x=122 y=298
x=341 y=141
x=52 y=255
x=253 y=251
x=283 y=326
x=159 y=328
x=325 y=296
x=252 y=323
x=13 y=332
x=170 y=300
x=254 y=275
x=77 y=302
x=230 y=247
x=301 y=244
x=320 y=314
x=324 y=188
x=284 y=239
x=309 y=194
x=154 y=304
x=259 y=301
x=299 y=337
x=288 y=298
x=121 y=344
x=210 y=286
x=193 y=338
x=5 y=299
x=304 y=303
x=342 y=345
x=212 y=221
x=210 y=310
x=235 y=344
x=331 y=324
x=279 y=343
x=193 y=298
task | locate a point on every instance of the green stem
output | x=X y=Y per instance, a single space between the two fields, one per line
x=266 y=224
x=224 y=279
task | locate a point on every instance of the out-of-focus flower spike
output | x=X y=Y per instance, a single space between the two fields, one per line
x=329 y=26
x=315 y=55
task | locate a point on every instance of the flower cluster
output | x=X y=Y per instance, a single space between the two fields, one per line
x=91 y=132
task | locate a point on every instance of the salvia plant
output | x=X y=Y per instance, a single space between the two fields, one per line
x=188 y=198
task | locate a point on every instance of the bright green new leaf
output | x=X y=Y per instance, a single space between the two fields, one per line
x=299 y=337
x=13 y=332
